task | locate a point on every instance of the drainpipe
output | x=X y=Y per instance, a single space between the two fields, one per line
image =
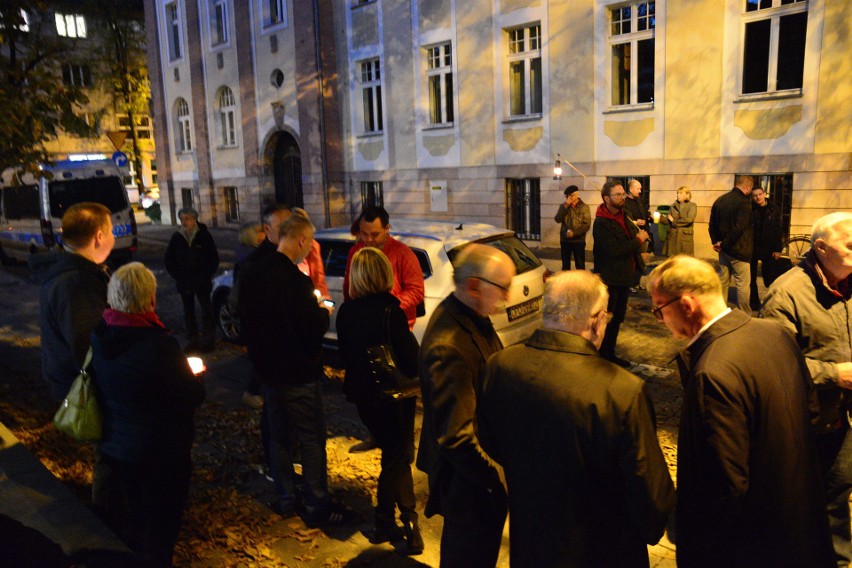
x=321 y=85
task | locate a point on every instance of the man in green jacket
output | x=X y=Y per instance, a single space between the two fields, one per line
x=575 y=221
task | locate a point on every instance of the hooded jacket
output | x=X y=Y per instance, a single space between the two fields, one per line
x=71 y=301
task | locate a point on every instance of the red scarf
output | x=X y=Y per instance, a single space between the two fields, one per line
x=123 y=319
x=605 y=213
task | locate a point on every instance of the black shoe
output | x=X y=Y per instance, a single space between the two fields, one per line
x=365 y=446
x=386 y=533
x=284 y=510
x=413 y=538
x=332 y=515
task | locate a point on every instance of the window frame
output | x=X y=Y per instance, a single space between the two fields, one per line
x=144 y=128
x=231 y=196
x=374 y=189
x=184 y=126
x=226 y=105
x=630 y=38
x=526 y=55
x=174 y=31
x=528 y=214
x=773 y=13
x=372 y=123
x=77 y=75
x=442 y=73
x=62 y=20
x=219 y=23
x=267 y=22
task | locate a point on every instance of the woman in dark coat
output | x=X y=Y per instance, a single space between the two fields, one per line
x=362 y=322
x=680 y=219
x=148 y=395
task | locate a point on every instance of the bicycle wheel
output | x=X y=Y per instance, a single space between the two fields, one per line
x=796 y=248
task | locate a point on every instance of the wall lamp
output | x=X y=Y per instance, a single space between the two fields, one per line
x=557 y=167
x=557 y=171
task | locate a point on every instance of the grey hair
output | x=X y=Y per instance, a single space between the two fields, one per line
x=294 y=227
x=370 y=273
x=825 y=227
x=475 y=260
x=685 y=274
x=188 y=211
x=132 y=288
x=570 y=297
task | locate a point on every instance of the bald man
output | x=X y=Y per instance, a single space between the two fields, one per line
x=464 y=483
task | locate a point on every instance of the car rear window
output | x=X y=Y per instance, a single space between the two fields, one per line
x=524 y=259
x=335 y=253
x=107 y=190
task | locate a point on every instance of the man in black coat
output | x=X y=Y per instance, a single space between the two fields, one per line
x=73 y=293
x=464 y=483
x=749 y=491
x=768 y=234
x=732 y=235
x=284 y=329
x=192 y=260
x=618 y=256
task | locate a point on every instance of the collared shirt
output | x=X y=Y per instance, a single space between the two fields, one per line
x=706 y=326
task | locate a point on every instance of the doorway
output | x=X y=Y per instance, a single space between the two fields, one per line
x=287 y=171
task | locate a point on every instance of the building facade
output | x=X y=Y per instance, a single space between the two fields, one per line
x=458 y=110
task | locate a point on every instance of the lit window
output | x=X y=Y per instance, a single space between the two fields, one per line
x=219 y=24
x=631 y=41
x=439 y=74
x=143 y=125
x=70 y=25
x=184 y=133
x=77 y=75
x=274 y=12
x=525 y=70
x=371 y=94
x=773 y=45
x=227 y=117
x=173 y=22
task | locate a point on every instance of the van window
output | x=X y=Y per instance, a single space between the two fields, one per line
x=20 y=202
x=520 y=253
x=334 y=255
x=107 y=190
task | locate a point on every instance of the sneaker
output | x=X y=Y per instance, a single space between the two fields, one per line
x=365 y=446
x=334 y=514
x=253 y=400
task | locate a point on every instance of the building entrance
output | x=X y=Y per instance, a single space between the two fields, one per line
x=287 y=171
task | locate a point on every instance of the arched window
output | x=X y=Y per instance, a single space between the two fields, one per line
x=227 y=117
x=184 y=129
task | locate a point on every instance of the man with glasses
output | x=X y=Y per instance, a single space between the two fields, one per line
x=464 y=483
x=748 y=476
x=587 y=481
x=618 y=255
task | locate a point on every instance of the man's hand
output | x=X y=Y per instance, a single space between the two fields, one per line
x=640 y=222
x=569 y=233
x=776 y=255
x=567 y=201
x=717 y=246
x=670 y=218
x=844 y=375
x=642 y=235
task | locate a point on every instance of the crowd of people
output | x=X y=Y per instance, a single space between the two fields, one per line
x=555 y=429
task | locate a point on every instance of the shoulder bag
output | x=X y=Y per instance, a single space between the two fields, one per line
x=381 y=363
x=79 y=415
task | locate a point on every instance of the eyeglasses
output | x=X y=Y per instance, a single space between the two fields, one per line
x=658 y=312
x=606 y=315
x=487 y=281
x=617 y=195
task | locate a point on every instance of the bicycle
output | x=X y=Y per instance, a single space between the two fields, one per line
x=796 y=247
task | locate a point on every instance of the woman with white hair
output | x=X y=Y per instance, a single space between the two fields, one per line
x=148 y=395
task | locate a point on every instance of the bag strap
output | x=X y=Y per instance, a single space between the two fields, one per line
x=87 y=361
x=387 y=324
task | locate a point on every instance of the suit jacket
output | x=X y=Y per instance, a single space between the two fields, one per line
x=588 y=484
x=730 y=224
x=284 y=323
x=749 y=488
x=617 y=254
x=452 y=355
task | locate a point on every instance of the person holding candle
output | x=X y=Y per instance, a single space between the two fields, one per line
x=680 y=219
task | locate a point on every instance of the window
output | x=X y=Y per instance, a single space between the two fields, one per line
x=70 y=25
x=186 y=198
x=184 y=134
x=144 y=130
x=371 y=194
x=219 y=22
x=631 y=41
x=274 y=12
x=232 y=205
x=77 y=75
x=773 y=45
x=20 y=202
x=525 y=70
x=523 y=200
x=227 y=120
x=371 y=92
x=439 y=75
x=154 y=172
x=173 y=32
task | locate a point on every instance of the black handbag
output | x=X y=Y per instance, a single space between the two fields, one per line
x=381 y=363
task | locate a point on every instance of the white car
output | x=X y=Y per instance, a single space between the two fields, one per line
x=436 y=245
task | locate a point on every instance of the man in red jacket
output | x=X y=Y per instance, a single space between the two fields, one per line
x=407 y=275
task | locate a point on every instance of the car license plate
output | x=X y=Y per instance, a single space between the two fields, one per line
x=523 y=309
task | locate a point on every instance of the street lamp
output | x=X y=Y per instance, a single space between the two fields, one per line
x=557 y=167
x=557 y=171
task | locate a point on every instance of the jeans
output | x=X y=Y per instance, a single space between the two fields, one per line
x=577 y=249
x=391 y=423
x=741 y=272
x=299 y=407
x=835 y=453
x=618 y=296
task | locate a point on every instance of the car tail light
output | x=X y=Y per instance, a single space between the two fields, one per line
x=47 y=233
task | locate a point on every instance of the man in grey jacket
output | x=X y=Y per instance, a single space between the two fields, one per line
x=811 y=301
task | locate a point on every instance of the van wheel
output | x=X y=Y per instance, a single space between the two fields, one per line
x=227 y=319
x=5 y=259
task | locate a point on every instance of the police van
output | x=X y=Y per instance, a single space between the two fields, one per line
x=31 y=207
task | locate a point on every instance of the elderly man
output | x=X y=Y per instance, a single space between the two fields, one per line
x=588 y=484
x=374 y=225
x=73 y=293
x=749 y=491
x=618 y=256
x=284 y=330
x=192 y=260
x=811 y=301
x=464 y=484
x=575 y=220
x=732 y=235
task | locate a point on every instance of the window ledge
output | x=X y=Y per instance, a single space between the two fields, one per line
x=522 y=118
x=629 y=108
x=227 y=147
x=445 y=126
x=778 y=95
x=361 y=5
x=379 y=134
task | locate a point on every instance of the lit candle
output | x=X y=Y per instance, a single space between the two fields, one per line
x=656 y=216
x=196 y=364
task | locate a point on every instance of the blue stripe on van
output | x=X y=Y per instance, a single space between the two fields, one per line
x=22 y=237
